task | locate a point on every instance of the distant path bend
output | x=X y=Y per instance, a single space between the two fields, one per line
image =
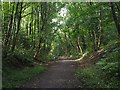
x=59 y=75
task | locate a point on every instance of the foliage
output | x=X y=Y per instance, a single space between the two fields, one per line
x=95 y=78
x=56 y=29
x=19 y=58
x=91 y=77
x=44 y=31
x=15 y=78
x=109 y=65
x=105 y=74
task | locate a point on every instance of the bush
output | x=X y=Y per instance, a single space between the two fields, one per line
x=17 y=77
x=91 y=77
x=18 y=58
x=109 y=64
x=105 y=73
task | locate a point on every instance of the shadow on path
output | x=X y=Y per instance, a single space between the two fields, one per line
x=61 y=74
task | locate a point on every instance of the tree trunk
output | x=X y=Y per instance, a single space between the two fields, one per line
x=115 y=17
x=18 y=28
x=38 y=49
x=9 y=29
x=100 y=31
x=79 y=46
x=94 y=35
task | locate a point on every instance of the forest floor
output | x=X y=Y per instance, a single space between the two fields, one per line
x=60 y=74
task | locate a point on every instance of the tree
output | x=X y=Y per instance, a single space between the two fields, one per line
x=113 y=11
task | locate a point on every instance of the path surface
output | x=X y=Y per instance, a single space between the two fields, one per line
x=61 y=74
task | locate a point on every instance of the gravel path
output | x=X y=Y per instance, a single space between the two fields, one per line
x=61 y=74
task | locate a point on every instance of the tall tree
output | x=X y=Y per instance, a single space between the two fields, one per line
x=113 y=11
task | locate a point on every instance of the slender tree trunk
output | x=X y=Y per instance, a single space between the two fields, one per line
x=27 y=30
x=83 y=42
x=115 y=17
x=39 y=31
x=100 y=31
x=9 y=29
x=94 y=35
x=38 y=49
x=18 y=28
x=79 y=46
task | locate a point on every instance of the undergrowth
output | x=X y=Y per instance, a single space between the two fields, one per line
x=16 y=77
x=105 y=74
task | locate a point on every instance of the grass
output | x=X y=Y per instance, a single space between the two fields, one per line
x=90 y=76
x=104 y=74
x=95 y=78
x=16 y=78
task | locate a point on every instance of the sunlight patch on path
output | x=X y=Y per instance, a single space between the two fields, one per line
x=82 y=57
x=74 y=60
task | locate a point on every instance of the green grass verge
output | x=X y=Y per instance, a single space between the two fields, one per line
x=104 y=74
x=16 y=78
x=91 y=77
x=94 y=77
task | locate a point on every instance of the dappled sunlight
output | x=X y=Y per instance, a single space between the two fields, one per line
x=72 y=60
x=101 y=50
x=60 y=35
x=82 y=57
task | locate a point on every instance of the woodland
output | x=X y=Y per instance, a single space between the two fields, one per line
x=35 y=34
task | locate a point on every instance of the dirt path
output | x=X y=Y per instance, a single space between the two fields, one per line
x=59 y=75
